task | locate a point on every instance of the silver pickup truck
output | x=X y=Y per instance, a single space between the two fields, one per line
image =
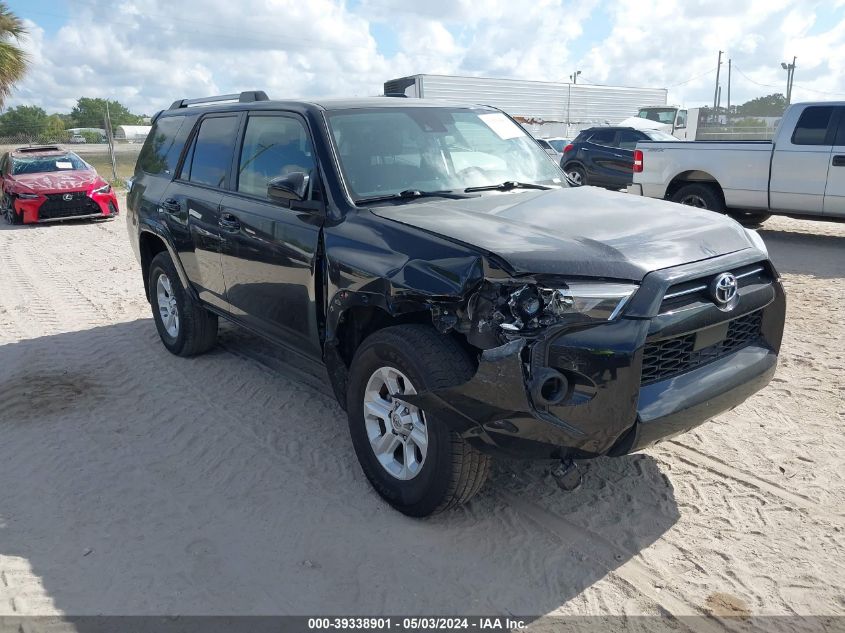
x=800 y=173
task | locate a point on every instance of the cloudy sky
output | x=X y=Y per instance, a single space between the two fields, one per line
x=146 y=53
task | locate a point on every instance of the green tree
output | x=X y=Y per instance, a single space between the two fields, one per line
x=770 y=105
x=90 y=112
x=13 y=61
x=23 y=121
x=54 y=130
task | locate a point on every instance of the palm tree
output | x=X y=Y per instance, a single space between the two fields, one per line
x=13 y=60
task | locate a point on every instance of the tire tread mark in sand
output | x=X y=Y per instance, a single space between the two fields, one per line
x=594 y=546
x=15 y=276
x=71 y=293
x=700 y=459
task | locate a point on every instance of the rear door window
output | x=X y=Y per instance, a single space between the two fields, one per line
x=603 y=137
x=812 y=126
x=628 y=139
x=211 y=155
x=840 y=136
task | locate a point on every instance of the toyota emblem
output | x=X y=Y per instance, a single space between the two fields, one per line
x=67 y=197
x=724 y=290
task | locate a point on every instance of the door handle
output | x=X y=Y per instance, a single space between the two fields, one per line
x=171 y=206
x=229 y=222
x=839 y=160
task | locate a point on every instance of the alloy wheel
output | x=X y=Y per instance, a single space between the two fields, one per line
x=397 y=430
x=575 y=177
x=167 y=307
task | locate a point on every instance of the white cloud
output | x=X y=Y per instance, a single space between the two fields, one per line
x=146 y=53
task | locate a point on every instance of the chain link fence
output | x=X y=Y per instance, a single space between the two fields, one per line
x=720 y=126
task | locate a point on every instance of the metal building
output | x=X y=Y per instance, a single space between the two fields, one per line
x=544 y=108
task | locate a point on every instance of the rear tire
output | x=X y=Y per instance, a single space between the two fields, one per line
x=185 y=327
x=749 y=218
x=576 y=175
x=451 y=471
x=700 y=196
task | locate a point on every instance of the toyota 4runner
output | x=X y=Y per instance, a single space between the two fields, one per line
x=464 y=301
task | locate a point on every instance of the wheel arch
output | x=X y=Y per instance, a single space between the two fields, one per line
x=575 y=162
x=150 y=244
x=360 y=320
x=693 y=177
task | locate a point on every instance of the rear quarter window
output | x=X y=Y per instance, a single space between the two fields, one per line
x=164 y=144
x=812 y=126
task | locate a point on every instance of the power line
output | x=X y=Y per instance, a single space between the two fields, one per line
x=821 y=92
x=752 y=81
x=693 y=78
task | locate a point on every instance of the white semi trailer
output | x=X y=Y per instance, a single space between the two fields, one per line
x=545 y=108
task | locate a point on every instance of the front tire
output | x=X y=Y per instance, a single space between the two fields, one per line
x=413 y=460
x=750 y=218
x=700 y=196
x=185 y=327
x=9 y=211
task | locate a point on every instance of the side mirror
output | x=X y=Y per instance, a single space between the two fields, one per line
x=292 y=186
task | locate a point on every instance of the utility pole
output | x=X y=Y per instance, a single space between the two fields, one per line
x=729 y=87
x=110 y=139
x=574 y=76
x=716 y=91
x=791 y=79
x=719 y=98
x=790 y=76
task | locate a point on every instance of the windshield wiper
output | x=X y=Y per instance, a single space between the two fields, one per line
x=413 y=194
x=507 y=186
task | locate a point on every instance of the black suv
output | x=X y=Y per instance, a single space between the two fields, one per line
x=463 y=299
x=604 y=156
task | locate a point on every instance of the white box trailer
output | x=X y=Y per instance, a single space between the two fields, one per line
x=546 y=109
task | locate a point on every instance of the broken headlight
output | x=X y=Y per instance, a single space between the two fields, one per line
x=531 y=306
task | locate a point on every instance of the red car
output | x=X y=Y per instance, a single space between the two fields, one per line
x=48 y=184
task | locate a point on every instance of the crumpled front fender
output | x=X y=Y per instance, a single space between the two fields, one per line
x=493 y=409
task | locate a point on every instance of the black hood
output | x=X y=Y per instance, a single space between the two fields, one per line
x=582 y=231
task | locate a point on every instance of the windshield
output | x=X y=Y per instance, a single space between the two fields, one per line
x=657 y=135
x=42 y=164
x=661 y=115
x=389 y=150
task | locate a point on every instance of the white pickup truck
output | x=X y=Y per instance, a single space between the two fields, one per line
x=800 y=173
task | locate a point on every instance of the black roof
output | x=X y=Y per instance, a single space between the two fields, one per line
x=610 y=127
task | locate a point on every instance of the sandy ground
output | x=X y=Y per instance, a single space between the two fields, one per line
x=135 y=482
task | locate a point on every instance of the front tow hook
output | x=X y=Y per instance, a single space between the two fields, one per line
x=567 y=475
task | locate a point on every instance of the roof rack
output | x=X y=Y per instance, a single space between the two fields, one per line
x=248 y=96
x=40 y=148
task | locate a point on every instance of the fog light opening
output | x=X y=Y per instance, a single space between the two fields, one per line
x=549 y=388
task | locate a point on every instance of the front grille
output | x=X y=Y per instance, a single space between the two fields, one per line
x=57 y=207
x=672 y=357
x=696 y=291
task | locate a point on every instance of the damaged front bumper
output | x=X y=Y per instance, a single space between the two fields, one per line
x=495 y=410
x=611 y=407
